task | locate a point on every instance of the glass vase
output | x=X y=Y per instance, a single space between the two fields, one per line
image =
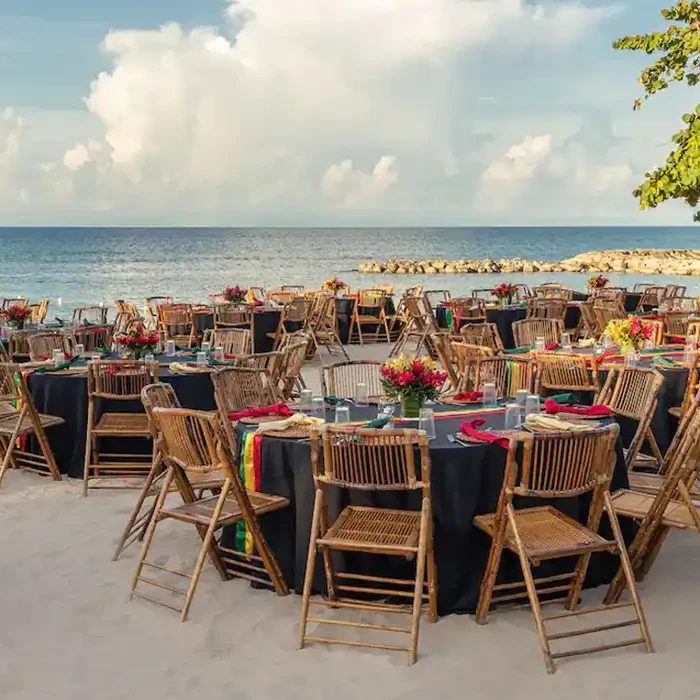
x=410 y=406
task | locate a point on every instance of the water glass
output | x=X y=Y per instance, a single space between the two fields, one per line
x=385 y=408
x=306 y=401
x=361 y=394
x=426 y=421
x=532 y=404
x=219 y=354
x=95 y=356
x=58 y=358
x=630 y=357
x=318 y=408
x=688 y=352
x=342 y=414
x=567 y=347
x=598 y=348
x=539 y=343
x=607 y=341
x=202 y=359
x=521 y=398
x=150 y=357
x=170 y=347
x=489 y=396
x=565 y=339
x=649 y=344
x=79 y=349
x=512 y=416
x=206 y=347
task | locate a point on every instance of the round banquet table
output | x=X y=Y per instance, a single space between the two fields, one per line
x=466 y=481
x=64 y=394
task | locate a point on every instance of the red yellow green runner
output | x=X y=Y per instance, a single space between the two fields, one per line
x=250 y=461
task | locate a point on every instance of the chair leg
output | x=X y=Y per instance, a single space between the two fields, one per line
x=432 y=572
x=269 y=560
x=88 y=447
x=206 y=544
x=418 y=584
x=310 y=566
x=629 y=574
x=490 y=574
x=46 y=450
x=531 y=591
x=11 y=444
x=654 y=447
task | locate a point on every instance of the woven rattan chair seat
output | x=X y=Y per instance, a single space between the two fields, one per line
x=122 y=424
x=546 y=532
x=652 y=483
x=675 y=411
x=365 y=528
x=200 y=512
x=636 y=505
x=8 y=423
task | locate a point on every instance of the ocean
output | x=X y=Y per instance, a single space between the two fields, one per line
x=90 y=265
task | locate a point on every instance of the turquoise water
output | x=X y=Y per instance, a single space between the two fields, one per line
x=89 y=265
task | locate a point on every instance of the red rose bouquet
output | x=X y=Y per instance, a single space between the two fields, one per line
x=504 y=292
x=334 y=284
x=16 y=315
x=138 y=341
x=235 y=294
x=412 y=380
x=597 y=282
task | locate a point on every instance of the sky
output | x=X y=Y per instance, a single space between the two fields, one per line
x=328 y=112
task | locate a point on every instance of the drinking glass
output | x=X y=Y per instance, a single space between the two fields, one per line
x=512 y=416
x=58 y=358
x=489 y=396
x=649 y=344
x=150 y=357
x=95 y=356
x=206 y=347
x=565 y=339
x=306 y=400
x=202 y=359
x=539 y=343
x=532 y=404
x=219 y=354
x=385 y=408
x=688 y=352
x=342 y=414
x=607 y=341
x=521 y=398
x=79 y=349
x=170 y=347
x=567 y=348
x=598 y=348
x=630 y=357
x=361 y=394
x=426 y=421
x=318 y=408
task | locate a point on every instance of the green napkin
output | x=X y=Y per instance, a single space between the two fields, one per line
x=213 y=362
x=561 y=399
x=666 y=361
x=332 y=400
x=62 y=366
x=378 y=422
x=518 y=351
x=448 y=317
x=182 y=348
x=656 y=351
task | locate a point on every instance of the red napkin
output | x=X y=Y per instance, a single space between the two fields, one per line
x=610 y=352
x=278 y=409
x=677 y=339
x=468 y=395
x=471 y=428
x=551 y=346
x=66 y=356
x=552 y=407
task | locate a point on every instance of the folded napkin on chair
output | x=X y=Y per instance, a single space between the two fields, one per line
x=468 y=396
x=278 y=409
x=297 y=419
x=552 y=408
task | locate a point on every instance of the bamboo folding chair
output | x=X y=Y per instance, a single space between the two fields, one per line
x=179 y=324
x=322 y=326
x=341 y=379
x=485 y=295
x=293 y=356
x=158 y=396
x=421 y=324
x=151 y=307
x=294 y=317
x=441 y=295
x=522 y=292
x=616 y=294
x=559 y=371
x=526 y=332
x=123 y=322
x=116 y=380
x=557 y=465
x=485 y=334
x=232 y=316
x=660 y=503
x=588 y=325
x=18 y=344
x=371 y=460
x=546 y=308
x=39 y=311
x=14 y=301
x=93 y=337
x=279 y=296
x=20 y=419
x=509 y=374
x=676 y=325
x=92 y=315
x=233 y=341
x=42 y=345
x=466 y=310
x=631 y=392
x=195 y=442
x=294 y=288
x=651 y=297
x=672 y=292
x=691 y=388
x=238 y=388
x=369 y=310
x=124 y=307
x=462 y=353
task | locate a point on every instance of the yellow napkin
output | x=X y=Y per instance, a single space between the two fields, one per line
x=182 y=368
x=542 y=420
x=294 y=420
x=586 y=343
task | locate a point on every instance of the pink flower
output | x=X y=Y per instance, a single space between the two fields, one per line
x=405 y=378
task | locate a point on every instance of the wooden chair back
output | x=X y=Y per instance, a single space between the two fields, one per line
x=123 y=322
x=485 y=334
x=546 y=307
x=608 y=294
x=436 y=295
x=414 y=291
x=341 y=378
x=14 y=301
x=462 y=353
x=485 y=294
x=509 y=374
x=237 y=388
x=42 y=345
x=565 y=372
x=370 y=460
x=121 y=380
x=527 y=331
x=39 y=311
x=152 y=304
x=466 y=309
x=522 y=292
x=281 y=297
x=94 y=314
x=651 y=296
x=158 y=395
x=589 y=321
x=630 y=391
x=234 y=341
x=93 y=337
x=229 y=315
x=676 y=323
x=371 y=301
x=293 y=356
x=605 y=314
x=672 y=292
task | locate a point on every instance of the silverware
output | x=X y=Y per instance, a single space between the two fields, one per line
x=453 y=438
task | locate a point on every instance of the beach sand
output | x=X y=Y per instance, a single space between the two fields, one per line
x=68 y=632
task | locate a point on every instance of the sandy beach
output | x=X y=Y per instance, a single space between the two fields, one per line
x=69 y=631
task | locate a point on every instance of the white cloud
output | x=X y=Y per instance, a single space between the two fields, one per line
x=520 y=162
x=341 y=181
x=604 y=177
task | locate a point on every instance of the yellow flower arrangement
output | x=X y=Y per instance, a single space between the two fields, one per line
x=630 y=332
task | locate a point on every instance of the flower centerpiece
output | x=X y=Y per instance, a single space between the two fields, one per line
x=413 y=381
x=16 y=315
x=334 y=284
x=629 y=333
x=504 y=292
x=597 y=282
x=138 y=341
x=235 y=294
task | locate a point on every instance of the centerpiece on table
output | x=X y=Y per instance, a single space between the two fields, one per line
x=597 y=282
x=504 y=292
x=16 y=316
x=335 y=285
x=235 y=294
x=413 y=381
x=138 y=341
x=629 y=333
